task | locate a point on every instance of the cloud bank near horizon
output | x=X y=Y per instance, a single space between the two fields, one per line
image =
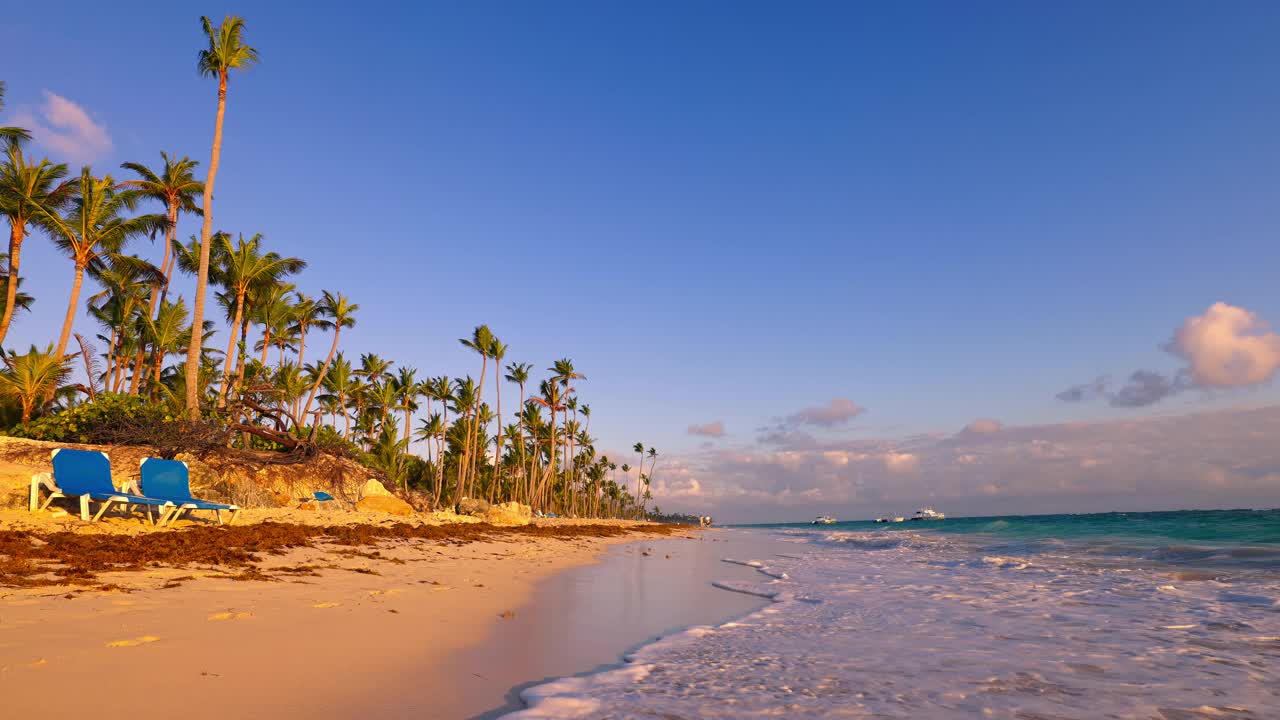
x=1206 y=459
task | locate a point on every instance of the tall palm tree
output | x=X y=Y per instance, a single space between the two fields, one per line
x=497 y=351
x=481 y=341
x=242 y=269
x=518 y=373
x=21 y=300
x=407 y=391
x=638 y=448
x=338 y=312
x=338 y=382
x=305 y=314
x=440 y=389
x=94 y=226
x=33 y=378
x=226 y=52
x=176 y=188
x=11 y=134
x=653 y=462
x=27 y=188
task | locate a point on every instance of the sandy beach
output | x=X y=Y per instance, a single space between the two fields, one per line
x=442 y=628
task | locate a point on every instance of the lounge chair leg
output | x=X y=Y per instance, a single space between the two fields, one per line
x=218 y=514
x=105 y=505
x=84 y=507
x=150 y=519
x=234 y=514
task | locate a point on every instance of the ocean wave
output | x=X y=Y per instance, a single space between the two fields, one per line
x=1076 y=629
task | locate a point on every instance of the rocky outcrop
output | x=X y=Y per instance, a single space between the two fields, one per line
x=508 y=513
x=472 y=506
x=385 y=504
x=372 y=487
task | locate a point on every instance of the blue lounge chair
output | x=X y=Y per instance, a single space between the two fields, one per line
x=170 y=480
x=86 y=474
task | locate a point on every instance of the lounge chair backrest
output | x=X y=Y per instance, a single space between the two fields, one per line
x=166 y=480
x=81 y=472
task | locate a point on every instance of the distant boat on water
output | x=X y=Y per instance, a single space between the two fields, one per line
x=890 y=519
x=928 y=513
x=824 y=520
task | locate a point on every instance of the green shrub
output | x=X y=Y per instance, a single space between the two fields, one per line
x=94 y=422
x=114 y=419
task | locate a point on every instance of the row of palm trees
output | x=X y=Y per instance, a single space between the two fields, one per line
x=264 y=384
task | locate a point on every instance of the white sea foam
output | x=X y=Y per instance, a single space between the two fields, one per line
x=929 y=628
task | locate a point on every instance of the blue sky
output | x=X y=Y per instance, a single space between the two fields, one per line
x=727 y=211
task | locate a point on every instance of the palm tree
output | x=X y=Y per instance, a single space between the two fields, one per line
x=241 y=269
x=12 y=134
x=338 y=382
x=407 y=392
x=124 y=280
x=273 y=311
x=497 y=351
x=653 y=462
x=26 y=189
x=21 y=300
x=167 y=334
x=175 y=187
x=305 y=314
x=33 y=378
x=440 y=389
x=481 y=341
x=338 y=312
x=518 y=373
x=94 y=227
x=226 y=52
x=639 y=448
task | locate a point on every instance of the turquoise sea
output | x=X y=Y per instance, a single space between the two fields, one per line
x=1129 y=616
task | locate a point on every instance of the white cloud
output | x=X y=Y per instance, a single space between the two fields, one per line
x=711 y=429
x=65 y=129
x=838 y=411
x=1227 y=346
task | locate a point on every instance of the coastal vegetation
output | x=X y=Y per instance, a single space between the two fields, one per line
x=155 y=365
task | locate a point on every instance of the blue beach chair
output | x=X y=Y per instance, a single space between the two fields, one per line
x=170 y=480
x=86 y=474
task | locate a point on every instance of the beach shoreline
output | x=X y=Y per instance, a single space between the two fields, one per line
x=317 y=630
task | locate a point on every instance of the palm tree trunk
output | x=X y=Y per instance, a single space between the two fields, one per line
x=475 y=425
x=139 y=368
x=337 y=331
x=166 y=266
x=111 y=362
x=11 y=288
x=202 y=276
x=266 y=345
x=71 y=310
x=231 y=347
x=346 y=417
x=497 y=390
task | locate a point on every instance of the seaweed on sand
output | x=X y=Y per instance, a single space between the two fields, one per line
x=29 y=559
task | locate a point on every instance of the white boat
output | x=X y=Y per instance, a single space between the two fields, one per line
x=824 y=520
x=890 y=519
x=928 y=513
